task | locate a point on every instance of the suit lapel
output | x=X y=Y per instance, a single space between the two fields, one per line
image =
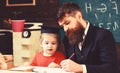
x=88 y=41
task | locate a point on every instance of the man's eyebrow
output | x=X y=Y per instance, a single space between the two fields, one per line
x=65 y=22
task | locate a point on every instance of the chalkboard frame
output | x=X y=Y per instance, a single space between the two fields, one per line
x=20 y=3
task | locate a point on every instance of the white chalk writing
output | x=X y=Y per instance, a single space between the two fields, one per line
x=105 y=13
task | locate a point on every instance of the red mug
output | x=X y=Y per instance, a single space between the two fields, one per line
x=18 y=25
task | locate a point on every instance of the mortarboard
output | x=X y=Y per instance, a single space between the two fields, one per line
x=50 y=29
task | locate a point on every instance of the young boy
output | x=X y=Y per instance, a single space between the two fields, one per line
x=49 y=56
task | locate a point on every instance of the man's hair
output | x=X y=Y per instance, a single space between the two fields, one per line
x=68 y=8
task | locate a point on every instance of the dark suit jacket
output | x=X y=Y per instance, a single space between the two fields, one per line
x=98 y=51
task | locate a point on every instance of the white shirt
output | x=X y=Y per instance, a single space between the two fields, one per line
x=85 y=33
x=80 y=46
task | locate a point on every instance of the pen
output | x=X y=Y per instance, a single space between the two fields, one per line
x=71 y=55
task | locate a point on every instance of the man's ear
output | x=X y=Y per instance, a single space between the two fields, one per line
x=78 y=15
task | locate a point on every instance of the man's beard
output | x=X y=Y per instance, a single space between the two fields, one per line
x=75 y=35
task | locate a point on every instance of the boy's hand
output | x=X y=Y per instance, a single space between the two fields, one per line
x=2 y=58
x=53 y=65
x=3 y=65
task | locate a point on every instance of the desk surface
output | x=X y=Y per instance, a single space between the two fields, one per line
x=7 y=71
x=49 y=70
x=38 y=70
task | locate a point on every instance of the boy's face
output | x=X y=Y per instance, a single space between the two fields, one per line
x=49 y=44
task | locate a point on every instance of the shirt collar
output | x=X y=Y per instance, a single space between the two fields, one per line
x=85 y=33
x=86 y=30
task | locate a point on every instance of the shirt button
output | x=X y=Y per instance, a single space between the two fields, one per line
x=81 y=56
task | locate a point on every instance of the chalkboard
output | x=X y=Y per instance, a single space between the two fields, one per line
x=101 y=13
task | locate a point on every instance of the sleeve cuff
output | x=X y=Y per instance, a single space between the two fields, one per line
x=84 y=69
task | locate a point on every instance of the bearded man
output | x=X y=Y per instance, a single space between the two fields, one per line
x=92 y=48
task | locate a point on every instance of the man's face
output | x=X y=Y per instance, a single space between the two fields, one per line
x=73 y=28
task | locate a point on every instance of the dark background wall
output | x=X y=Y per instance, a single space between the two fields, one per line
x=44 y=11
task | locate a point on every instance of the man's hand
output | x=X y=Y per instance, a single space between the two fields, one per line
x=71 y=66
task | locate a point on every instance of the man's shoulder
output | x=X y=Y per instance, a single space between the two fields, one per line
x=99 y=29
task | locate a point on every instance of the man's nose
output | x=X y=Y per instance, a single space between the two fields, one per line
x=65 y=28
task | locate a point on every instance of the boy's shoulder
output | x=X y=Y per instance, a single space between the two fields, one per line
x=58 y=53
x=39 y=53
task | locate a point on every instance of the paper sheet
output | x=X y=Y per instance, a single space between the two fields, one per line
x=49 y=70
